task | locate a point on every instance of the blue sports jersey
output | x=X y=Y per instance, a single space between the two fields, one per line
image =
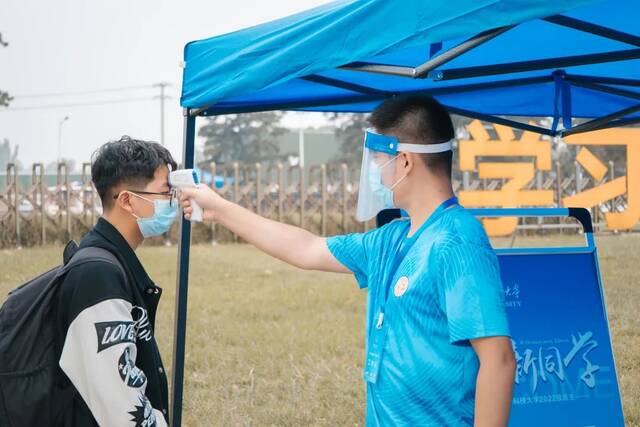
x=445 y=291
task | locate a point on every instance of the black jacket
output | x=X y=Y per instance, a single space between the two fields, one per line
x=108 y=352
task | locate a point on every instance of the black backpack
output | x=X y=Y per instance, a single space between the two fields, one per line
x=28 y=344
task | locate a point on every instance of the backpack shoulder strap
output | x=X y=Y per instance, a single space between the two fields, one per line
x=93 y=253
x=79 y=257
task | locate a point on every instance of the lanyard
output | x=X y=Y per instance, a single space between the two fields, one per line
x=378 y=335
x=403 y=248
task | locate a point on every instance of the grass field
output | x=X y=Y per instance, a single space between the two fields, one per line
x=272 y=345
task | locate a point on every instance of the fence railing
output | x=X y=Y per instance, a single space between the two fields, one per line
x=320 y=198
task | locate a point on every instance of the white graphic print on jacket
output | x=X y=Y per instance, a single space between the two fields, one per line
x=99 y=356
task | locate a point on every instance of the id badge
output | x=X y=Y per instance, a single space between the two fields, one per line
x=374 y=353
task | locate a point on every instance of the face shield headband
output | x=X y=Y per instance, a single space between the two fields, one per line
x=379 y=152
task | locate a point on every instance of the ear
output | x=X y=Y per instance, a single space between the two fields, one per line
x=406 y=162
x=124 y=201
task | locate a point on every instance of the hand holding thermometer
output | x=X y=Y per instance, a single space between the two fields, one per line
x=187 y=178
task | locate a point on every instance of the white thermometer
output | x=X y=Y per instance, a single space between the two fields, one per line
x=187 y=178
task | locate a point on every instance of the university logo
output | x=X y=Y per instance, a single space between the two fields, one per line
x=401 y=286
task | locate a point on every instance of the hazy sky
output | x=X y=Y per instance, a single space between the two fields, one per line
x=69 y=46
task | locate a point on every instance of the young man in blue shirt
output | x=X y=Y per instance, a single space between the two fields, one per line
x=438 y=346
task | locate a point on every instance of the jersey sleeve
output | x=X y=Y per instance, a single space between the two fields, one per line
x=99 y=352
x=472 y=289
x=350 y=250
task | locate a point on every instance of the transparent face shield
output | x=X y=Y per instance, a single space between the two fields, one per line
x=376 y=174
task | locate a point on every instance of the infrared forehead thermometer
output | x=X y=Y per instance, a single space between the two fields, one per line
x=187 y=178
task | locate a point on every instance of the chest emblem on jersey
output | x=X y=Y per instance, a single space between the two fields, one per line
x=401 y=286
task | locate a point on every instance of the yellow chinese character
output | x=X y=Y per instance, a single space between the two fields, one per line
x=518 y=174
x=629 y=184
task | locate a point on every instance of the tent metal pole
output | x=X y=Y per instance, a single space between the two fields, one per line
x=539 y=64
x=182 y=282
x=423 y=70
x=605 y=89
x=391 y=70
x=603 y=80
x=595 y=29
x=194 y=112
x=598 y=123
x=329 y=81
x=618 y=123
x=295 y=105
x=499 y=120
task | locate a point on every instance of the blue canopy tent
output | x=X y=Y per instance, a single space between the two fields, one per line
x=494 y=60
x=480 y=58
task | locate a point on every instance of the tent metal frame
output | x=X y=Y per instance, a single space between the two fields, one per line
x=182 y=286
x=428 y=69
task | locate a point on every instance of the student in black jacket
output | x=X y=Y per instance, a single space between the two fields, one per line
x=109 y=360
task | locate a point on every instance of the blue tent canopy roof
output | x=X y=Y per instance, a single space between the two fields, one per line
x=528 y=60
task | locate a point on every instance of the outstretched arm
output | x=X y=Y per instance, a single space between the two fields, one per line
x=288 y=243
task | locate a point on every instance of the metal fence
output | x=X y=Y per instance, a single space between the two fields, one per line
x=321 y=199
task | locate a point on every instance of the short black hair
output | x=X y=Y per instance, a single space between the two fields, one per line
x=417 y=119
x=126 y=160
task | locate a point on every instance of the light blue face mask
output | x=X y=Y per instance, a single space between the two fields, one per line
x=379 y=190
x=160 y=222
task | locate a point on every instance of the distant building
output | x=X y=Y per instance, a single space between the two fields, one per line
x=318 y=145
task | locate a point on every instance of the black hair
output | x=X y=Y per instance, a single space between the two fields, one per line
x=127 y=160
x=417 y=119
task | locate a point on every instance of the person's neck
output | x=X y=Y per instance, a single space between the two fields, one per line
x=424 y=201
x=127 y=228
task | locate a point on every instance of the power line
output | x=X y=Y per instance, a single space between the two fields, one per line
x=84 y=92
x=77 y=104
x=162 y=97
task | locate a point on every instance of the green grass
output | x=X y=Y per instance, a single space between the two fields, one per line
x=268 y=344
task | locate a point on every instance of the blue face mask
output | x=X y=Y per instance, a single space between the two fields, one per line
x=379 y=190
x=160 y=222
